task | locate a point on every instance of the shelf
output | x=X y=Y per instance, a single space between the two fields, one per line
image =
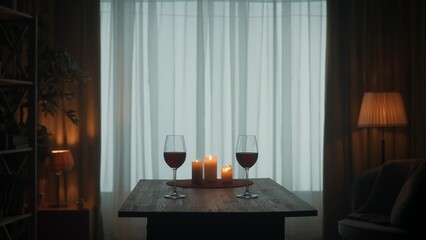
x=10 y=14
x=4 y=82
x=18 y=99
x=11 y=151
x=11 y=219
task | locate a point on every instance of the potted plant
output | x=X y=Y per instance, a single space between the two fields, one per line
x=56 y=69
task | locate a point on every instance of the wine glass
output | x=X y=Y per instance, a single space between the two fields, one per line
x=174 y=155
x=246 y=154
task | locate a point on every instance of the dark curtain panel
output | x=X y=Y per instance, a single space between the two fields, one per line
x=372 y=45
x=74 y=26
x=77 y=28
x=418 y=77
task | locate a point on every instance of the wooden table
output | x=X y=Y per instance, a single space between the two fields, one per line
x=214 y=213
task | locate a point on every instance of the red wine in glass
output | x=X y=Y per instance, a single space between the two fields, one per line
x=174 y=159
x=246 y=159
x=246 y=155
x=174 y=155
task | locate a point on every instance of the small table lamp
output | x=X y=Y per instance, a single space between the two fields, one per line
x=62 y=161
x=382 y=109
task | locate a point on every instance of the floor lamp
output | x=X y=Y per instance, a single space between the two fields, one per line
x=61 y=161
x=381 y=110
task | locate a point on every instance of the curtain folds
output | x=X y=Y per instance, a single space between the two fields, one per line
x=74 y=27
x=77 y=29
x=371 y=46
x=210 y=70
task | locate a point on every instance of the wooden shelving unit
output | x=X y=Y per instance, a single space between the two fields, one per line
x=18 y=125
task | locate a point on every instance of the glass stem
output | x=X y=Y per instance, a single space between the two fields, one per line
x=174 y=181
x=247 y=180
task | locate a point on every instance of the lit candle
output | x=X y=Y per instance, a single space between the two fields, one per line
x=227 y=174
x=210 y=168
x=197 y=172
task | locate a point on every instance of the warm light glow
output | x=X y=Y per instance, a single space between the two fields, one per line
x=382 y=109
x=226 y=174
x=210 y=168
x=62 y=160
x=197 y=172
x=227 y=168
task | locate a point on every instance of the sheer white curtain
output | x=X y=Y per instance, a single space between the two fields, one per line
x=211 y=70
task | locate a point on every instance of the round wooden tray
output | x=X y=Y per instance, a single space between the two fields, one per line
x=187 y=183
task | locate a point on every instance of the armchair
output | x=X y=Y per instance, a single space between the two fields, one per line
x=388 y=202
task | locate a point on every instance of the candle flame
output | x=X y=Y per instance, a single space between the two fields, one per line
x=227 y=168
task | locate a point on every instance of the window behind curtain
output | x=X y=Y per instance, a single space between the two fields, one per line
x=211 y=70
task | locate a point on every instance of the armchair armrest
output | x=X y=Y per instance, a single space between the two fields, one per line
x=361 y=188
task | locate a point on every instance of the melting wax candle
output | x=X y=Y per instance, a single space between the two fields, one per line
x=227 y=174
x=197 y=172
x=210 y=168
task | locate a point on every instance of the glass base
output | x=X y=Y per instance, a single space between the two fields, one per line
x=247 y=195
x=174 y=196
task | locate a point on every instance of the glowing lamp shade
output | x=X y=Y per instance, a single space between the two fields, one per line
x=382 y=109
x=61 y=161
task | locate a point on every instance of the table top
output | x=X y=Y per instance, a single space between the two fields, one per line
x=147 y=200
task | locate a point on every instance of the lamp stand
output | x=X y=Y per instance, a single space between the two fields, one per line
x=58 y=203
x=382 y=145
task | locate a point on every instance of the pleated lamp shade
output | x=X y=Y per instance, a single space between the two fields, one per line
x=382 y=109
x=62 y=161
